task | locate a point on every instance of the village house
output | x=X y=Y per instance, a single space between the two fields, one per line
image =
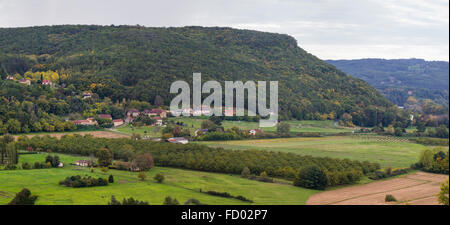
x=87 y=122
x=158 y=121
x=200 y=131
x=81 y=122
x=133 y=113
x=25 y=81
x=87 y=95
x=129 y=119
x=160 y=112
x=118 y=122
x=178 y=140
x=254 y=131
x=10 y=78
x=105 y=116
x=149 y=113
x=84 y=163
x=47 y=82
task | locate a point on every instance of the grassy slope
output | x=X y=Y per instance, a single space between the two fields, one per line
x=388 y=151
x=181 y=184
x=193 y=123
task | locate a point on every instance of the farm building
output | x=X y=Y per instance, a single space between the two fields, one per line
x=47 y=82
x=158 y=121
x=254 y=131
x=25 y=81
x=87 y=95
x=133 y=112
x=178 y=140
x=118 y=122
x=84 y=163
x=105 y=116
x=200 y=131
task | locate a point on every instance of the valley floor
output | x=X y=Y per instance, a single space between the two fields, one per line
x=416 y=189
x=180 y=184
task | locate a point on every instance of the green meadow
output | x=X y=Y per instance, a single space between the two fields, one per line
x=180 y=184
x=194 y=123
x=388 y=151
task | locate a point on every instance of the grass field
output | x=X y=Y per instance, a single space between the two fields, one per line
x=194 y=123
x=181 y=184
x=388 y=151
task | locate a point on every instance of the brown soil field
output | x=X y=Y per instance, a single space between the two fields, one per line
x=416 y=189
x=100 y=134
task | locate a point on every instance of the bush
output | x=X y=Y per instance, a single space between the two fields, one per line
x=142 y=176
x=170 y=201
x=78 y=181
x=24 y=197
x=10 y=167
x=193 y=201
x=432 y=141
x=111 y=179
x=227 y=195
x=26 y=166
x=159 y=178
x=43 y=165
x=378 y=175
x=390 y=198
x=245 y=172
x=129 y=201
x=311 y=177
x=433 y=161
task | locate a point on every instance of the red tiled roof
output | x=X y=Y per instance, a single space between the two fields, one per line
x=105 y=116
x=158 y=111
x=80 y=121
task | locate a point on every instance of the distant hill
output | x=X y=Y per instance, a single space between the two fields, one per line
x=134 y=62
x=398 y=79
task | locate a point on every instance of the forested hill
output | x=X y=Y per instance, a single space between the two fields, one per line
x=400 y=78
x=134 y=62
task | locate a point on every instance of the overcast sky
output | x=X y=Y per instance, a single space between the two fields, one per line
x=329 y=29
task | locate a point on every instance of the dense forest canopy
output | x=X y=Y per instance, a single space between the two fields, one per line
x=139 y=63
x=400 y=79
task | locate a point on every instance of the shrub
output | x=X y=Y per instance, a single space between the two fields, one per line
x=193 y=201
x=443 y=195
x=142 y=176
x=111 y=179
x=227 y=195
x=24 y=197
x=144 y=162
x=311 y=177
x=129 y=201
x=170 y=201
x=245 y=172
x=105 y=169
x=26 y=166
x=159 y=178
x=10 y=167
x=390 y=198
x=78 y=181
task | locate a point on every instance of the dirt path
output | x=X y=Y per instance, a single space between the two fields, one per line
x=417 y=189
x=99 y=134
